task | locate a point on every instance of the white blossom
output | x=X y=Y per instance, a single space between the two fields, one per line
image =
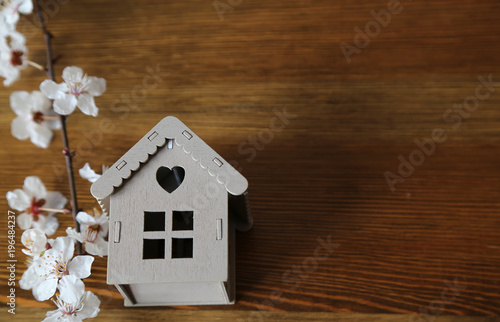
x=13 y=56
x=93 y=231
x=87 y=173
x=78 y=89
x=30 y=278
x=32 y=110
x=10 y=10
x=74 y=304
x=56 y=263
x=30 y=200
x=5 y=27
x=35 y=242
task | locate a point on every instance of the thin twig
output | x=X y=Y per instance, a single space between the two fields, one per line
x=68 y=155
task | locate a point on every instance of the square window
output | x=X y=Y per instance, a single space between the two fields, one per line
x=154 y=221
x=153 y=249
x=182 y=247
x=182 y=220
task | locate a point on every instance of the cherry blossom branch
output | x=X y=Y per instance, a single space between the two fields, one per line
x=66 y=150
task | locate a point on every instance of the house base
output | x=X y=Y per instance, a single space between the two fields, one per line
x=170 y=294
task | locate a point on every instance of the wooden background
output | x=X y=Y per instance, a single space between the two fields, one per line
x=323 y=174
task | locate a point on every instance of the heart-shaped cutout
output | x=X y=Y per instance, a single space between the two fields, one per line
x=170 y=179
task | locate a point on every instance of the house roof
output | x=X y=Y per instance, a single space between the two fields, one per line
x=169 y=128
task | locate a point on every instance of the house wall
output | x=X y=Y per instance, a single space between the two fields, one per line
x=199 y=192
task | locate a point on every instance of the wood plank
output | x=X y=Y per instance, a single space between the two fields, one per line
x=322 y=175
x=156 y=314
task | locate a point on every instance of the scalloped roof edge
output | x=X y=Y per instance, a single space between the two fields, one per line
x=169 y=128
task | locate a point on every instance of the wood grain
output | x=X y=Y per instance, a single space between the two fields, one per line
x=155 y=314
x=322 y=175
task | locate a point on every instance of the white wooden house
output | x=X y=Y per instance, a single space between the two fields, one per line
x=173 y=205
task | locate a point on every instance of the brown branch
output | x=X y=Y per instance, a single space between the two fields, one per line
x=66 y=150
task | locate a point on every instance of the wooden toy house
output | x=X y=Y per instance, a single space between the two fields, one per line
x=173 y=206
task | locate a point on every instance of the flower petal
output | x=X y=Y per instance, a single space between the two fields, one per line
x=26 y=7
x=64 y=244
x=52 y=124
x=53 y=90
x=97 y=86
x=99 y=247
x=19 y=102
x=46 y=289
x=71 y=289
x=40 y=102
x=29 y=279
x=87 y=105
x=91 y=307
x=47 y=224
x=18 y=200
x=17 y=41
x=11 y=75
x=65 y=105
x=11 y=17
x=80 y=266
x=19 y=128
x=53 y=316
x=72 y=74
x=71 y=232
x=40 y=135
x=34 y=187
x=85 y=219
x=102 y=221
x=56 y=200
x=87 y=173
x=24 y=221
x=34 y=240
x=104 y=230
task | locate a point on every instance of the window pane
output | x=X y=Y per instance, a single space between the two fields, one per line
x=153 y=248
x=182 y=247
x=182 y=220
x=154 y=221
